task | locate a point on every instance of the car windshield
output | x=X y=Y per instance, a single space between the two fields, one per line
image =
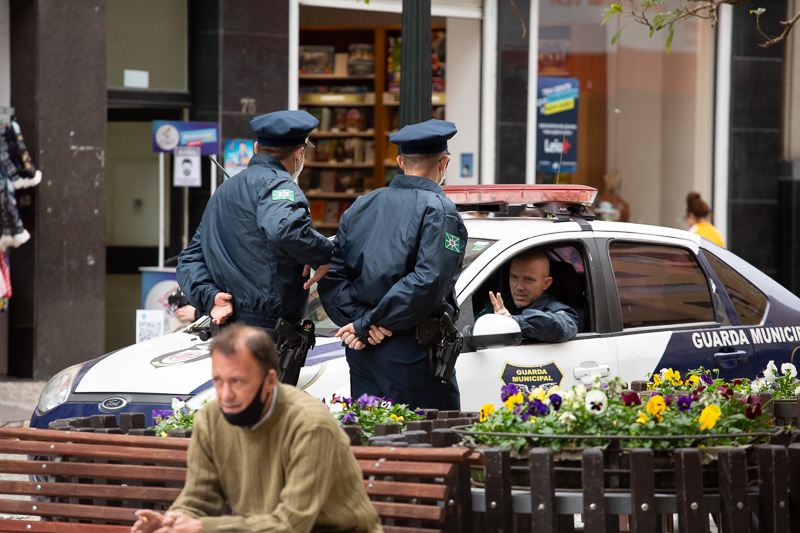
x=325 y=326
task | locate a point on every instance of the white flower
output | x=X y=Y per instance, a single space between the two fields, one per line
x=662 y=373
x=177 y=404
x=596 y=402
x=788 y=369
x=580 y=391
x=797 y=391
x=758 y=385
x=567 y=418
x=770 y=371
x=597 y=379
x=568 y=396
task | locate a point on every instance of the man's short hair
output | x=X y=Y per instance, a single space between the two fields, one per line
x=421 y=162
x=278 y=152
x=534 y=255
x=232 y=338
x=186 y=161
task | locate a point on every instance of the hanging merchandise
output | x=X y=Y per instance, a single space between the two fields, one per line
x=14 y=233
x=5 y=283
x=16 y=159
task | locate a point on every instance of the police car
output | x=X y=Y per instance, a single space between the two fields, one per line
x=647 y=298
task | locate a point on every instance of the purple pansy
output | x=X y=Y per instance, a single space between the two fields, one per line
x=706 y=379
x=555 y=401
x=526 y=416
x=537 y=406
x=366 y=401
x=419 y=412
x=684 y=404
x=349 y=418
x=507 y=391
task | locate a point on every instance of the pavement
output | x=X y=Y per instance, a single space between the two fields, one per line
x=18 y=399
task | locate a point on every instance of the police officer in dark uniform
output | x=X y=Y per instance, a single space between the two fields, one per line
x=397 y=256
x=254 y=249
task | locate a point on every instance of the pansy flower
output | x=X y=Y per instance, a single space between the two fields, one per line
x=643 y=418
x=656 y=407
x=596 y=402
x=507 y=391
x=486 y=410
x=555 y=401
x=693 y=381
x=709 y=416
x=669 y=399
x=632 y=398
x=539 y=407
x=349 y=418
x=684 y=404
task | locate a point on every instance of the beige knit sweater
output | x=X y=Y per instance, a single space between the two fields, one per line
x=295 y=473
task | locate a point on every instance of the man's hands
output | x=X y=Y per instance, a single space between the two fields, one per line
x=222 y=308
x=499 y=306
x=348 y=336
x=318 y=273
x=171 y=522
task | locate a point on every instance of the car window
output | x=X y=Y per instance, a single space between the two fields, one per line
x=749 y=302
x=325 y=326
x=659 y=285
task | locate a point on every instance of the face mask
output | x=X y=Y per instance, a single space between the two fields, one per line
x=444 y=177
x=250 y=414
x=297 y=171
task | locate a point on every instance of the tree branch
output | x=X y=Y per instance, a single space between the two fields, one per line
x=787 y=27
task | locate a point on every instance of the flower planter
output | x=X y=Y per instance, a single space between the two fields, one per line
x=785 y=413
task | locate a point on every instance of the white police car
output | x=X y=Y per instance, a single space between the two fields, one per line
x=647 y=298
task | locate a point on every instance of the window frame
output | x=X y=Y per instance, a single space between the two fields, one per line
x=729 y=301
x=615 y=307
x=595 y=286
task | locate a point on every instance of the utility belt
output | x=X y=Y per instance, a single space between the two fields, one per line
x=291 y=342
x=443 y=343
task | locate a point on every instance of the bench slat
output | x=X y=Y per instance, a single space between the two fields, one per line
x=407 y=469
x=126 y=472
x=431 y=513
x=87 y=490
x=69 y=510
x=52 y=435
x=429 y=455
x=422 y=491
x=34 y=526
x=400 y=529
x=94 y=451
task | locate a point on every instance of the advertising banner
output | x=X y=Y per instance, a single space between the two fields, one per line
x=169 y=134
x=237 y=155
x=557 y=125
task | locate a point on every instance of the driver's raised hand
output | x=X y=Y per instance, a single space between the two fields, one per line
x=499 y=306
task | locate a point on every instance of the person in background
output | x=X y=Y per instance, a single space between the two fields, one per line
x=697 y=213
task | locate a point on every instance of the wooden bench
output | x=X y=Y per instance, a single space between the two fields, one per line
x=93 y=482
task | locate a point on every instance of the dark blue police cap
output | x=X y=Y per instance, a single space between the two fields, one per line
x=284 y=128
x=427 y=137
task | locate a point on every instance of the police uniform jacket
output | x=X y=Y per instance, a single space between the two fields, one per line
x=397 y=256
x=546 y=319
x=253 y=242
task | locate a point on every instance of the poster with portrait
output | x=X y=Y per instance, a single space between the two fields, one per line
x=187 y=171
x=237 y=155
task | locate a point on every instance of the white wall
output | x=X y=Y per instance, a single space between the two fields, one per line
x=463 y=95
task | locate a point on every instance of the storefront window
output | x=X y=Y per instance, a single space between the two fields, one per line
x=644 y=118
x=147 y=44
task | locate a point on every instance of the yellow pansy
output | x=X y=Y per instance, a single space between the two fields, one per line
x=709 y=417
x=656 y=380
x=514 y=400
x=643 y=418
x=694 y=381
x=394 y=417
x=486 y=410
x=537 y=394
x=656 y=406
x=674 y=376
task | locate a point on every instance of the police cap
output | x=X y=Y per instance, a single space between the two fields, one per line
x=427 y=137
x=284 y=128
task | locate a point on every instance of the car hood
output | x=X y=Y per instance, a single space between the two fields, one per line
x=178 y=364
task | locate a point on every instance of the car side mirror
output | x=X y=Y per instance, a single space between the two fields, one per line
x=493 y=331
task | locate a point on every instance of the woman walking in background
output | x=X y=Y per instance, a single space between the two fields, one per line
x=697 y=212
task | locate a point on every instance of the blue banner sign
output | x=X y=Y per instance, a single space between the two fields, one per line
x=557 y=125
x=169 y=134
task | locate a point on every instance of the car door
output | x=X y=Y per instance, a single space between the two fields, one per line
x=667 y=312
x=482 y=373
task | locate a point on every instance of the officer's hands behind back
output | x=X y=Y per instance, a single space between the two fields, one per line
x=318 y=273
x=349 y=338
x=222 y=308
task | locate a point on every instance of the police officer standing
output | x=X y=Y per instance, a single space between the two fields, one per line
x=254 y=249
x=397 y=256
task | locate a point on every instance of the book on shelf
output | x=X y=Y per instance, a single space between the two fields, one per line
x=322 y=153
x=369 y=151
x=317 y=210
x=327 y=181
x=316 y=59
x=325 y=119
x=332 y=212
x=361 y=60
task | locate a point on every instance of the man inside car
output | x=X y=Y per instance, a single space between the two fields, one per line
x=540 y=315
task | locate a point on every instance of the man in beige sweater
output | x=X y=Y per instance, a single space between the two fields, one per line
x=273 y=453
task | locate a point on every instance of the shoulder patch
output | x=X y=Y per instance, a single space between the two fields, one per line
x=283 y=194
x=452 y=243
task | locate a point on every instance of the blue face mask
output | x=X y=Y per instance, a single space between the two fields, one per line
x=250 y=414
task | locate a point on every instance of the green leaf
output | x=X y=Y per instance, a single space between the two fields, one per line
x=669 y=38
x=616 y=36
x=757 y=12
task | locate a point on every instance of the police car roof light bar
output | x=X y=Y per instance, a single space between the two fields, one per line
x=520 y=194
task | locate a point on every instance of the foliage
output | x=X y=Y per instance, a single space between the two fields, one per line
x=367 y=411
x=657 y=16
x=180 y=417
x=783 y=387
x=605 y=409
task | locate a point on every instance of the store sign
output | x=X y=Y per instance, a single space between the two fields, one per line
x=170 y=134
x=557 y=125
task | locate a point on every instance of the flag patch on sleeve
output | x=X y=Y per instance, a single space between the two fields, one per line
x=452 y=243
x=283 y=194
